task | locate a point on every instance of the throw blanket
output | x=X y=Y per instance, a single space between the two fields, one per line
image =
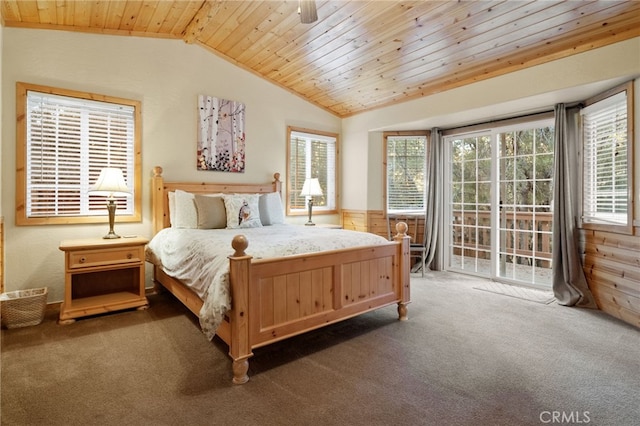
x=199 y=257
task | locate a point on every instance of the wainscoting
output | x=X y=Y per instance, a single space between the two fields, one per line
x=356 y=220
x=373 y=221
x=612 y=267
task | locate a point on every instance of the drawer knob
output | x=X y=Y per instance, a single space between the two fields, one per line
x=83 y=259
x=129 y=255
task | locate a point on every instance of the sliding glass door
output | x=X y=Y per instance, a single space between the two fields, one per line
x=499 y=203
x=470 y=203
x=525 y=179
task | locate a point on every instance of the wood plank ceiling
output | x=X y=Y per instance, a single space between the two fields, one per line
x=359 y=55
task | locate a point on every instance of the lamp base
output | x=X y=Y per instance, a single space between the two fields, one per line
x=111 y=208
x=310 y=205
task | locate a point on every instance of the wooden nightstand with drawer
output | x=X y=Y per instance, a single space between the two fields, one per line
x=102 y=275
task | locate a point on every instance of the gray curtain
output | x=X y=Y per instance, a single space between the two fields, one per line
x=434 y=201
x=569 y=283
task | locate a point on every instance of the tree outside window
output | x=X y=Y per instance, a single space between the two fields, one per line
x=406 y=173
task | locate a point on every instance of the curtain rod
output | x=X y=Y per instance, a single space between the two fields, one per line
x=506 y=121
x=502 y=122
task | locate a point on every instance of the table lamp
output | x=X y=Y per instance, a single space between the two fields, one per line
x=110 y=183
x=310 y=189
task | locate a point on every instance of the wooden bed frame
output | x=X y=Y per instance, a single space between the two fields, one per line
x=273 y=299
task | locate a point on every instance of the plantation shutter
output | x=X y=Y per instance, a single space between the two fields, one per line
x=605 y=197
x=69 y=140
x=312 y=156
x=406 y=173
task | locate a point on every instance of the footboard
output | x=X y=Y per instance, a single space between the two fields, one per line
x=278 y=298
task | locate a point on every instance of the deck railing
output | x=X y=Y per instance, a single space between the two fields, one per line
x=526 y=237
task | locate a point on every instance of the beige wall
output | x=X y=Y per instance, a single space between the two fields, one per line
x=2 y=269
x=1 y=110
x=636 y=152
x=534 y=89
x=167 y=76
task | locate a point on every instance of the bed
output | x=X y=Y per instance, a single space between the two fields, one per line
x=273 y=297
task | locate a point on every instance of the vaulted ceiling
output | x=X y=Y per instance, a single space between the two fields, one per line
x=358 y=55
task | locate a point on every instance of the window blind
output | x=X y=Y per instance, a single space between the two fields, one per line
x=69 y=140
x=605 y=169
x=312 y=156
x=406 y=173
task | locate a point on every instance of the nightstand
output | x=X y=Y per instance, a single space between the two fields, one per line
x=102 y=275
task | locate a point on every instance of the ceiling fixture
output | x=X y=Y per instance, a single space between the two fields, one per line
x=307 y=11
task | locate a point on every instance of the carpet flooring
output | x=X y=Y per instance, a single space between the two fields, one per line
x=464 y=357
x=519 y=292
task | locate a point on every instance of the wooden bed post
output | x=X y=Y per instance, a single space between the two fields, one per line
x=157 y=200
x=239 y=276
x=405 y=269
x=277 y=184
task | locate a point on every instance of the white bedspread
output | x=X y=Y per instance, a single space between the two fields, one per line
x=198 y=257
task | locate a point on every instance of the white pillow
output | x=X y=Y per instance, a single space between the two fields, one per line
x=172 y=208
x=185 y=215
x=271 y=211
x=242 y=210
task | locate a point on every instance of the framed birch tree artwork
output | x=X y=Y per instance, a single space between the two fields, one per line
x=221 y=138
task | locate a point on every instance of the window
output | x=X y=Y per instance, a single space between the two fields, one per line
x=406 y=172
x=606 y=199
x=64 y=139
x=312 y=154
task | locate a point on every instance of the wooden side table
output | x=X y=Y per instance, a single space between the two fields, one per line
x=102 y=275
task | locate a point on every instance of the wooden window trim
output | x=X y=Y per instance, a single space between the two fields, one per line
x=628 y=228
x=316 y=211
x=21 y=146
x=385 y=135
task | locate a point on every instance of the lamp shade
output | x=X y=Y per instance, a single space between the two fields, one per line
x=311 y=188
x=110 y=183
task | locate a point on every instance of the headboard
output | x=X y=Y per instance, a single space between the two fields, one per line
x=161 y=189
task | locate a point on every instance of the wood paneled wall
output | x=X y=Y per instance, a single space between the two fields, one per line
x=612 y=267
x=355 y=220
x=373 y=221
